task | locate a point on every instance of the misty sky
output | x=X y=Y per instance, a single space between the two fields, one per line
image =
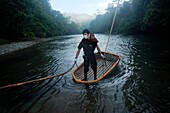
x=80 y=6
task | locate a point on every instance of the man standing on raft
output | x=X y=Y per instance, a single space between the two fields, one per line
x=88 y=43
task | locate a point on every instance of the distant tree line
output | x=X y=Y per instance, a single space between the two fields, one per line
x=23 y=19
x=135 y=17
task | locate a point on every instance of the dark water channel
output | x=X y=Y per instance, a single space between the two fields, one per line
x=139 y=84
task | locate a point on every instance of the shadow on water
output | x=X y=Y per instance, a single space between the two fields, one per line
x=139 y=83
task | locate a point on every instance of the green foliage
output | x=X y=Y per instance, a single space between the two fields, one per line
x=135 y=17
x=3 y=41
x=32 y=18
x=35 y=18
x=156 y=17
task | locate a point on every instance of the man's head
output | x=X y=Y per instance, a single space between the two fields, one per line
x=86 y=33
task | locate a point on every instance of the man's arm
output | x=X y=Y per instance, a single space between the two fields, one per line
x=100 y=52
x=77 y=53
x=98 y=49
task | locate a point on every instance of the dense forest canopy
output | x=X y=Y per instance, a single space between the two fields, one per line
x=135 y=17
x=32 y=18
x=23 y=19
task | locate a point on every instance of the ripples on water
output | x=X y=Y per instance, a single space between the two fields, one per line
x=138 y=84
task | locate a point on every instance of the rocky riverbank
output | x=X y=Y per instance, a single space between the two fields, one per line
x=14 y=46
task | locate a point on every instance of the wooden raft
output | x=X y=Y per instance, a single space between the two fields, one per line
x=104 y=67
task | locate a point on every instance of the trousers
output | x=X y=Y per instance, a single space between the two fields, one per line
x=90 y=60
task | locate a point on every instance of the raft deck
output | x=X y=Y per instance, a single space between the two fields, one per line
x=104 y=67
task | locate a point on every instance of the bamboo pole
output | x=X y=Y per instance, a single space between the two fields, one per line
x=111 y=28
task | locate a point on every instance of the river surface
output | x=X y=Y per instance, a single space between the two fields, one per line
x=139 y=83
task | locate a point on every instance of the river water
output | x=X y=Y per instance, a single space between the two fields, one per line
x=139 y=83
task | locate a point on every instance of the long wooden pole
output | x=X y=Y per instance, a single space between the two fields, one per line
x=113 y=21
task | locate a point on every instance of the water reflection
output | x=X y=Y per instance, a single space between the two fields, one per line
x=89 y=99
x=138 y=84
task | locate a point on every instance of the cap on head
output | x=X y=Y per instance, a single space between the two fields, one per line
x=86 y=31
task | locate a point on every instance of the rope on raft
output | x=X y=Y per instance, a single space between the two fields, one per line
x=37 y=80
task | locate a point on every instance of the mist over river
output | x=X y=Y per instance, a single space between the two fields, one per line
x=139 y=83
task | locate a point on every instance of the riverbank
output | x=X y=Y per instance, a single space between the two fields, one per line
x=14 y=46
